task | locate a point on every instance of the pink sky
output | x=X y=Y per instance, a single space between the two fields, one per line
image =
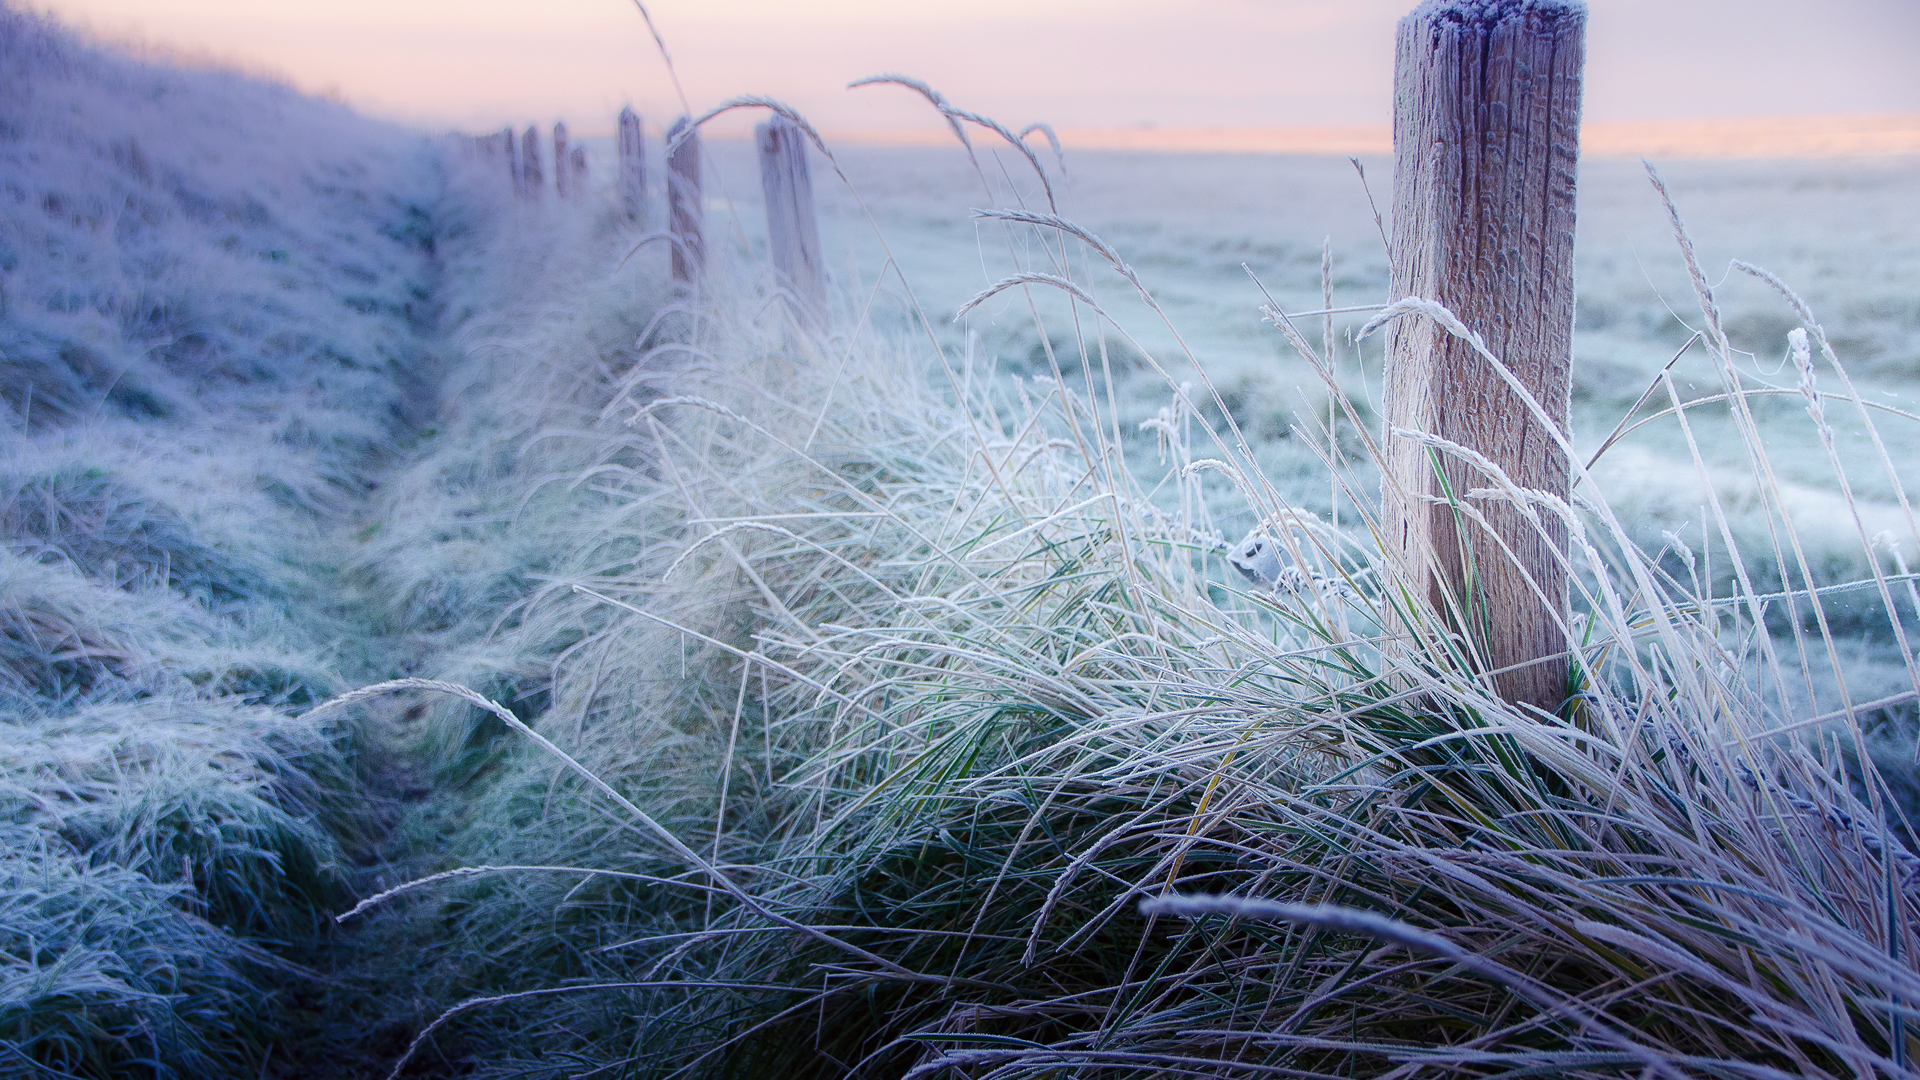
x=1075 y=63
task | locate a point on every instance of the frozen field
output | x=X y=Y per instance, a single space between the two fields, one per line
x=1845 y=233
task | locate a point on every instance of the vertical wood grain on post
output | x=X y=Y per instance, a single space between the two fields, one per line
x=793 y=228
x=633 y=167
x=561 y=185
x=532 y=179
x=686 y=208
x=1486 y=142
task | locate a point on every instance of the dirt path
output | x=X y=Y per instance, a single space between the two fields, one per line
x=377 y=980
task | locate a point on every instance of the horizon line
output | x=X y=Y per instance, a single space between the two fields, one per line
x=1829 y=135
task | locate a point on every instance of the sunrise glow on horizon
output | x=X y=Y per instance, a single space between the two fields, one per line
x=1099 y=65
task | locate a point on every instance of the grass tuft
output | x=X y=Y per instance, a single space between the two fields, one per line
x=979 y=750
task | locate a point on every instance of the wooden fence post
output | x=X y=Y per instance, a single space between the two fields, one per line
x=686 y=208
x=532 y=180
x=561 y=187
x=1485 y=141
x=513 y=161
x=633 y=167
x=577 y=170
x=793 y=227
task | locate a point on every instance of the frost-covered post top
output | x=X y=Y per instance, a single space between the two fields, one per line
x=1488 y=12
x=1486 y=134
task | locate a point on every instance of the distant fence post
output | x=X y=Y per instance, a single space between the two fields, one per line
x=1486 y=142
x=532 y=179
x=513 y=160
x=793 y=227
x=577 y=170
x=633 y=168
x=686 y=208
x=561 y=187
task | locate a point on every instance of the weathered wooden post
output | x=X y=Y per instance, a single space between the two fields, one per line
x=633 y=167
x=532 y=179
x=1485 y=144
x=561 y=187
x=686 y=209
x=513 y=161
x=793 y=228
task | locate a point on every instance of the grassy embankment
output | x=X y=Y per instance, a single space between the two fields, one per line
x=882 y=690
x=271 y=371
x=222 y=324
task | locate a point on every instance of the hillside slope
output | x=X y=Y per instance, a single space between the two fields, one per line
x=217 y=317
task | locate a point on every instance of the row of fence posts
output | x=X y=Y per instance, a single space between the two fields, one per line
x=786 y=181
x=526 y=174
x=1486 y=141
x=786 y=184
